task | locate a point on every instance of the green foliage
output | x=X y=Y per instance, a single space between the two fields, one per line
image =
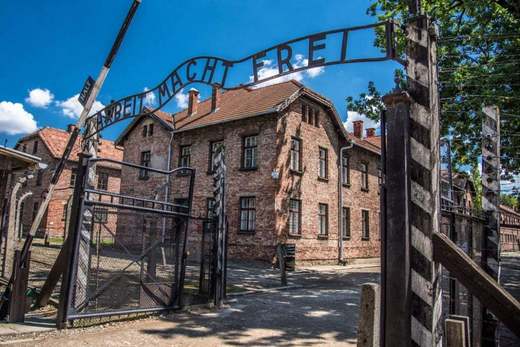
x=510 y=200
x=477 y=183
x=479 y=64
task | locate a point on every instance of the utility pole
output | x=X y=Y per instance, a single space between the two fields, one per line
x=68 y=149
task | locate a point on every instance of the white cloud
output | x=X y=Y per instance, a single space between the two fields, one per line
x=40 y=97
x=269 y=69
x=150 y=98
x=72 y=108
x=15 y=120
x=181 y=99
x=367 y=123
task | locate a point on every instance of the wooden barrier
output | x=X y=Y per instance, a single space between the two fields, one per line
x=481 y=285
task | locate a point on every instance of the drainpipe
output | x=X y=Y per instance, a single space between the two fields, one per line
x=341 y=255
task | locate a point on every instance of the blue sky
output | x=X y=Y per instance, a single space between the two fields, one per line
x=51 y=47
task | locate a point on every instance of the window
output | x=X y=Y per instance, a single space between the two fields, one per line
x=64 y=214
x=345 y=170
x=323 y=165
x=249 y=151
x=35 y=147
x=72 y=182
x=100 y=215
x=323 y=219
x=24 y=147
x=210 y=208
x=102 y=183
x=213 y=146
x=185 y=157
x=145 y=130
x=345 y=227
x=150 y=129
x=296 y=145
x=310 y=114
x=39 y=177
x=295 y=216
x=145 y=161
x=364 y=176
x=36 y=205
x=365 y=225
x=247 y=214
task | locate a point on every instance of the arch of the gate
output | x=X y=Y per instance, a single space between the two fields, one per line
x=321 y=49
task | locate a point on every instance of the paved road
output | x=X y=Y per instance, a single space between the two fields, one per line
x=510 y=280
x=324 y=312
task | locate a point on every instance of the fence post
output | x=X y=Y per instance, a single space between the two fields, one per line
x=368 y=331
x=21 y=277
x=412 y=280
x=490 y=206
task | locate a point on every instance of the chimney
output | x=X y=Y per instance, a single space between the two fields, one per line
x=70 y=128
x=193 y=101
x=371 y=132
x=215 y=98
x=358 y=128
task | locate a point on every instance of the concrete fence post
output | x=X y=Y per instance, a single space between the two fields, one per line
x=368 y=329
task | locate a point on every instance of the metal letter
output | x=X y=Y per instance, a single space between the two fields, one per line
x=257 y=65
x=286 y=60
x=316 y=47
x=189 y=76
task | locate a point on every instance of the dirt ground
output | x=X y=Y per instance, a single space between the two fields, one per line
x=321 y=310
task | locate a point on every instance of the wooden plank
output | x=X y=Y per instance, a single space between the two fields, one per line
x=481 y=285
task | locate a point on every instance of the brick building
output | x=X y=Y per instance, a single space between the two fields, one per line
x=286 y=182
x=509 y=229
x=49 y=144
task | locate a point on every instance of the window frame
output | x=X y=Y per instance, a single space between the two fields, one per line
x=143 y=174
x=298 y=216
x=182 y=156
x=248 y=210
x=144 y=132
x=103 y=182
x=346 y=223
x=298 y=140
x=365 y=225
x=364 y=176
x=35 y=147
x=210 y=208
x=254 y=148
x=345 y=170
x=324 y=215
x=325 y=162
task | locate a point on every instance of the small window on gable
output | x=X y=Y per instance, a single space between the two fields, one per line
x=35 y=147
x=145 y=130
x=150 y=129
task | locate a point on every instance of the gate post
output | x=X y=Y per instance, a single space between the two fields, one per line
x=74 y=231
x=490 y=205
x=219 y=179
x=413 y=199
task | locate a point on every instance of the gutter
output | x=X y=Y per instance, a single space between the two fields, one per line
x=341 y=254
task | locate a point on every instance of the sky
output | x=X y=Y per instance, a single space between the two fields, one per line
x=50 y=48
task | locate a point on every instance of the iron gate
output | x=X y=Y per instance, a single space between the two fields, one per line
x=131 y=251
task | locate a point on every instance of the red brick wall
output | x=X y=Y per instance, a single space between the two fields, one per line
x=272 y=195
x=53 y=223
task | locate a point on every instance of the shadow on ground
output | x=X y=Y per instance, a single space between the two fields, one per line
x=324 y=311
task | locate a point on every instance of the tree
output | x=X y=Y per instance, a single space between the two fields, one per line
x=479 y=64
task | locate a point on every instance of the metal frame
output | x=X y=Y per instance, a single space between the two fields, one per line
x=85 y=199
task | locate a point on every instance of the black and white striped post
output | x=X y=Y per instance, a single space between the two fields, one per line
x=412 y=295
x=490 y=205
